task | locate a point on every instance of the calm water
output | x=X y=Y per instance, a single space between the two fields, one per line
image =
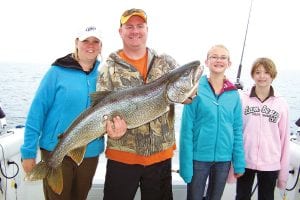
x=19 y=82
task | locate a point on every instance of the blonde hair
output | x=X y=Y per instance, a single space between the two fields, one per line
x=218 y=46
x=267 y=64
x=76 y=56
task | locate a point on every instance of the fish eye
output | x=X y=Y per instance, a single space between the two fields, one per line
x=186 y=73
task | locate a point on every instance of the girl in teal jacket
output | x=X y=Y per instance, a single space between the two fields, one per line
x=211 y=131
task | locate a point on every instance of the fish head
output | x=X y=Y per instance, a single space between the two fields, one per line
x=183 y=82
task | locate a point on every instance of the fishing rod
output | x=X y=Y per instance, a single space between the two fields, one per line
x=238 y=84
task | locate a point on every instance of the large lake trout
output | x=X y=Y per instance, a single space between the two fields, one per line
x=137 y=106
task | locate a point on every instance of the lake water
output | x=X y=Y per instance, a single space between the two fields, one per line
x=19 y=82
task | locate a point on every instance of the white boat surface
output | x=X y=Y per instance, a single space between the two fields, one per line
x=13 y=186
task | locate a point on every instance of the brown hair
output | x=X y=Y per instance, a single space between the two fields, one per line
x=267 y=63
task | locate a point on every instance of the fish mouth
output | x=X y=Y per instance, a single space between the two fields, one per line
x=197 y=74
x=185 y=82
x=194 y=81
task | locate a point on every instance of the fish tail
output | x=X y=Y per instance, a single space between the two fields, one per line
x=39 y=172
x=53 y=176
x=55 y=179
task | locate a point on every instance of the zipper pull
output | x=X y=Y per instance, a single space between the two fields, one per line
x=216 y=103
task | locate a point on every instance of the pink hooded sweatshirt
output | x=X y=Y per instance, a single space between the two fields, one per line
x=266 y=134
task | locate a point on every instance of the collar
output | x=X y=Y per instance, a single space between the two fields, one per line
x=227 y=86
x=253 y=93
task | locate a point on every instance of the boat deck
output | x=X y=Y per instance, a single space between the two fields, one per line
x=17 y=188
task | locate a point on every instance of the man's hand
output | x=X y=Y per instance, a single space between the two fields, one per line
x=116 y=128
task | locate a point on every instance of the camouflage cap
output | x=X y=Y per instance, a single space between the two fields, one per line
x=132 y=12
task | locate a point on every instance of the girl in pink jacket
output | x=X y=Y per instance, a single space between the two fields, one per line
x=266 y=134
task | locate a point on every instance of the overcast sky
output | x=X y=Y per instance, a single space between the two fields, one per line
x=38 y=31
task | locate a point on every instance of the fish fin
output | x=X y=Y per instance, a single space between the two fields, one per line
x=98 y=96
x=39 y=172
x=55 y=180
x=77 y=154
x=61 y=136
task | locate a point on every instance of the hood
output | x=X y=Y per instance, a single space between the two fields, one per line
x=68 y=62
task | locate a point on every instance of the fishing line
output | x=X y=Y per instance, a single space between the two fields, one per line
x=5 y=192
x=238 y=83
x=8 y=163
x=296 y=182
x=4 y=173
x=252 y=192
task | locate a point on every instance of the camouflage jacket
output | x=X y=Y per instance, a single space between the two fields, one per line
x=150 y=138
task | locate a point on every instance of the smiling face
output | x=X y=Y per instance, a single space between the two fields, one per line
x=263 y=72
x=218 y=59
x=134 y=33
x=88 y=49
x=262 y=77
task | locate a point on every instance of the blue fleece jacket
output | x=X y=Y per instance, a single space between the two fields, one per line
x=62 y=95
x=211 y=129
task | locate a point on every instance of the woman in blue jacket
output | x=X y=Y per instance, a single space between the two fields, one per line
x=63 y=94
x=211 y=131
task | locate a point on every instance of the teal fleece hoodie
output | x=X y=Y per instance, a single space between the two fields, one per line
x=211 y=129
